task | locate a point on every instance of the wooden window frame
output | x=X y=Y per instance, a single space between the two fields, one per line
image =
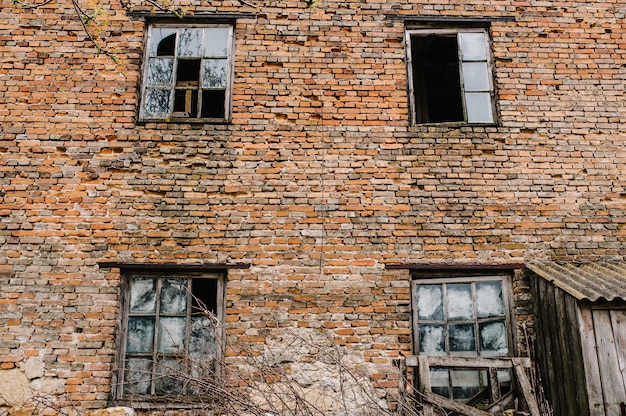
x=122 y=354
x=412 y=32
x=173 y=116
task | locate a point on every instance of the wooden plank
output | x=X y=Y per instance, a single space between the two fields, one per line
x=454 y=406
x=494 y=385
x=553 y=361
x=503 y=403
x=613 y=388
x=593 y=382
x=526 y=391
x=578 y=369
x=564 y=345
x=424 y=387
x=473 y=362
x=618 y=322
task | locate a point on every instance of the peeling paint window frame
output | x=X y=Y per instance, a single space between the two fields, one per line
x=210 y=290
x=418 y=102
x=170 y=89
x=443 y=375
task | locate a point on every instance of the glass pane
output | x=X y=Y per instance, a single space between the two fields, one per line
x=160 y=72
x=143 y=295
x=172 y=335
x=214 y=73
x=162 y=41
x=216 y=41
x=431 y=339
x=460 y=304
x=171 y=377
x=140 y=337
x=202 y=337
x=473 y=46
x=479 y=107
x=430 y=302
x=138 y=376
x=465 y=384
x=440 y=381
x=476 y=76
x=157 y=104
x=462 y=337
x=493 y=339
x=173 y=296
x=190 y=42
x=489 y=299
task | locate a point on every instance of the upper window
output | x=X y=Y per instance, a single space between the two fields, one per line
x=451 y=76
x=170 y=333
x=187 y=73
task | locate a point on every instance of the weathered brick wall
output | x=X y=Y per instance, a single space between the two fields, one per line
x=317 y=183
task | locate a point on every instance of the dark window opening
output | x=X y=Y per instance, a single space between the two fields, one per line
x=185 y=103
x=166 y=46
x=203 y=293
x=436 y=79
x=188 y=72
x=213 y=103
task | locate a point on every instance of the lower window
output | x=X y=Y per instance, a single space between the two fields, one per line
x=464 y=316
x=170 y=334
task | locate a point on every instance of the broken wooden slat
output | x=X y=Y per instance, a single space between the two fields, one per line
x=526 y=390
x=452 y=405
x=424 y=387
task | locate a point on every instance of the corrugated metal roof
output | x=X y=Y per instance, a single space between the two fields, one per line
x=591 y=281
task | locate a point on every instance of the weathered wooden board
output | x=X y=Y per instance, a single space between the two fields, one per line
x=590 y=361
x=618 y=322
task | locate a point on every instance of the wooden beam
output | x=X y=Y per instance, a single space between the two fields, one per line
x=452 y=405
x=424 y=387
x=526 y=390
x=468 y=362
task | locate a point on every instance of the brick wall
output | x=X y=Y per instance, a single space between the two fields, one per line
x=317 y=184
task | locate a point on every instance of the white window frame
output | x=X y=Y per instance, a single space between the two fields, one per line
x=171 y=116
x=468 y=118
x=122 y=374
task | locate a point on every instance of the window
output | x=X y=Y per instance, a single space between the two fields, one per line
x=187 y=73
x=451 y=77
x=170 y=333
x=461 y=316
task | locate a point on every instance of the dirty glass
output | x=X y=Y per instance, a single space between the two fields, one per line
x=160 y=72
x=140 y=334
x=162 y=42
x=430 y=302
x=440 y=381
x=478 y=107
x=171 y=335
x=190 y=42
x=473 y=46
x=460 y=305
x=169 y=376
x=493 y=339
x=462 y=338
x=138 y=376
x=157 y=103
x=202 y=337
x=214 y=73
x=489 y=299
x=465 y=384
x=431 y=339
x=475 y=76
x=142 y=295
x=173 y=297
x=216 y=41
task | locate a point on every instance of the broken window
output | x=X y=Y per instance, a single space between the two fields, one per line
x=461 y=316
x=187 y=73
x=451 y=76
x=170 y=332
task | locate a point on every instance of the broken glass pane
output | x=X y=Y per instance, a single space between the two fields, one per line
x=216 y=41
x=142 y=295
x=138 y=376
x=473 y=46
x=465 y=384
x=430 y=302
x=157 y=103
x=476 y=76
x=478 y=107
x=460 y=304
x=214 y=73
x=213 y=103
x=160 y=72
x=489 y=300
x=190 y=41
x=171 y=335
x=493 y=339
x=170 y=376
x=140 y=334
x=202 y=337
x=173 y=296
x=432 y=339
x=462 y=337
x=163 y=41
